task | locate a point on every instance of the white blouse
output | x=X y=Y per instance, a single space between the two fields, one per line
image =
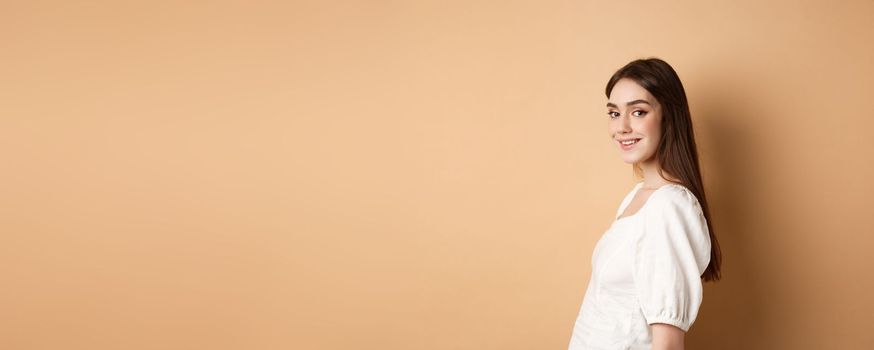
x=646 y=269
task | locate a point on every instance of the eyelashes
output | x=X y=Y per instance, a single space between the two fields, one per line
x=637 y=113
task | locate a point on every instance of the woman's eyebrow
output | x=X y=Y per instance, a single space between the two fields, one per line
x=611 y=104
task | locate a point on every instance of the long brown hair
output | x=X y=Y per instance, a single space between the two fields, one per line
x=676 y=152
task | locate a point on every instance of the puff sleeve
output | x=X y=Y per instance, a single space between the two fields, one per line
x=669 y=257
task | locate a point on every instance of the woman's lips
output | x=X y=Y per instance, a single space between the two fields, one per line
x=628 y=147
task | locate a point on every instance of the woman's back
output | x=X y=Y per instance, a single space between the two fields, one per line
x=646 y=269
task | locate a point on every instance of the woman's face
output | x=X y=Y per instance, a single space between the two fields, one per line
x=634 y=115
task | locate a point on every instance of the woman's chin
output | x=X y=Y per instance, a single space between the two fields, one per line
x=629 y=159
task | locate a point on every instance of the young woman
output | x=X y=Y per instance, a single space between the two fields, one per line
x=648 y=268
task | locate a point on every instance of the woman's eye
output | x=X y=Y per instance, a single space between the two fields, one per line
x=638 y=113
x=613 y=114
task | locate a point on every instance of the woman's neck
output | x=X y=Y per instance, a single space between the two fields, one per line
x=651 y=177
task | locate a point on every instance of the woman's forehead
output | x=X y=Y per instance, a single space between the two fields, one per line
x=628 y=92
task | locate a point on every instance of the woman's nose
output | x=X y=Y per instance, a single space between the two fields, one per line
x=624 y=124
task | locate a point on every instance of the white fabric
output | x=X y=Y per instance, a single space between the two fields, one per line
x=646 y=269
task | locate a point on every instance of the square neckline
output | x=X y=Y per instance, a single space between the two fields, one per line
x=643 y=206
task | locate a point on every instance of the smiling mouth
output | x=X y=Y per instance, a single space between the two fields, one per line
x=629 y=142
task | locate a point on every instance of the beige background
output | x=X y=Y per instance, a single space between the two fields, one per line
x=414 y=174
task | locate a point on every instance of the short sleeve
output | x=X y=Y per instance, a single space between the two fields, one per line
x=670 y=255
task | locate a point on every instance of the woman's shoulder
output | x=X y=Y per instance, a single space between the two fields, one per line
x=675 y=206
x=675 y=194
